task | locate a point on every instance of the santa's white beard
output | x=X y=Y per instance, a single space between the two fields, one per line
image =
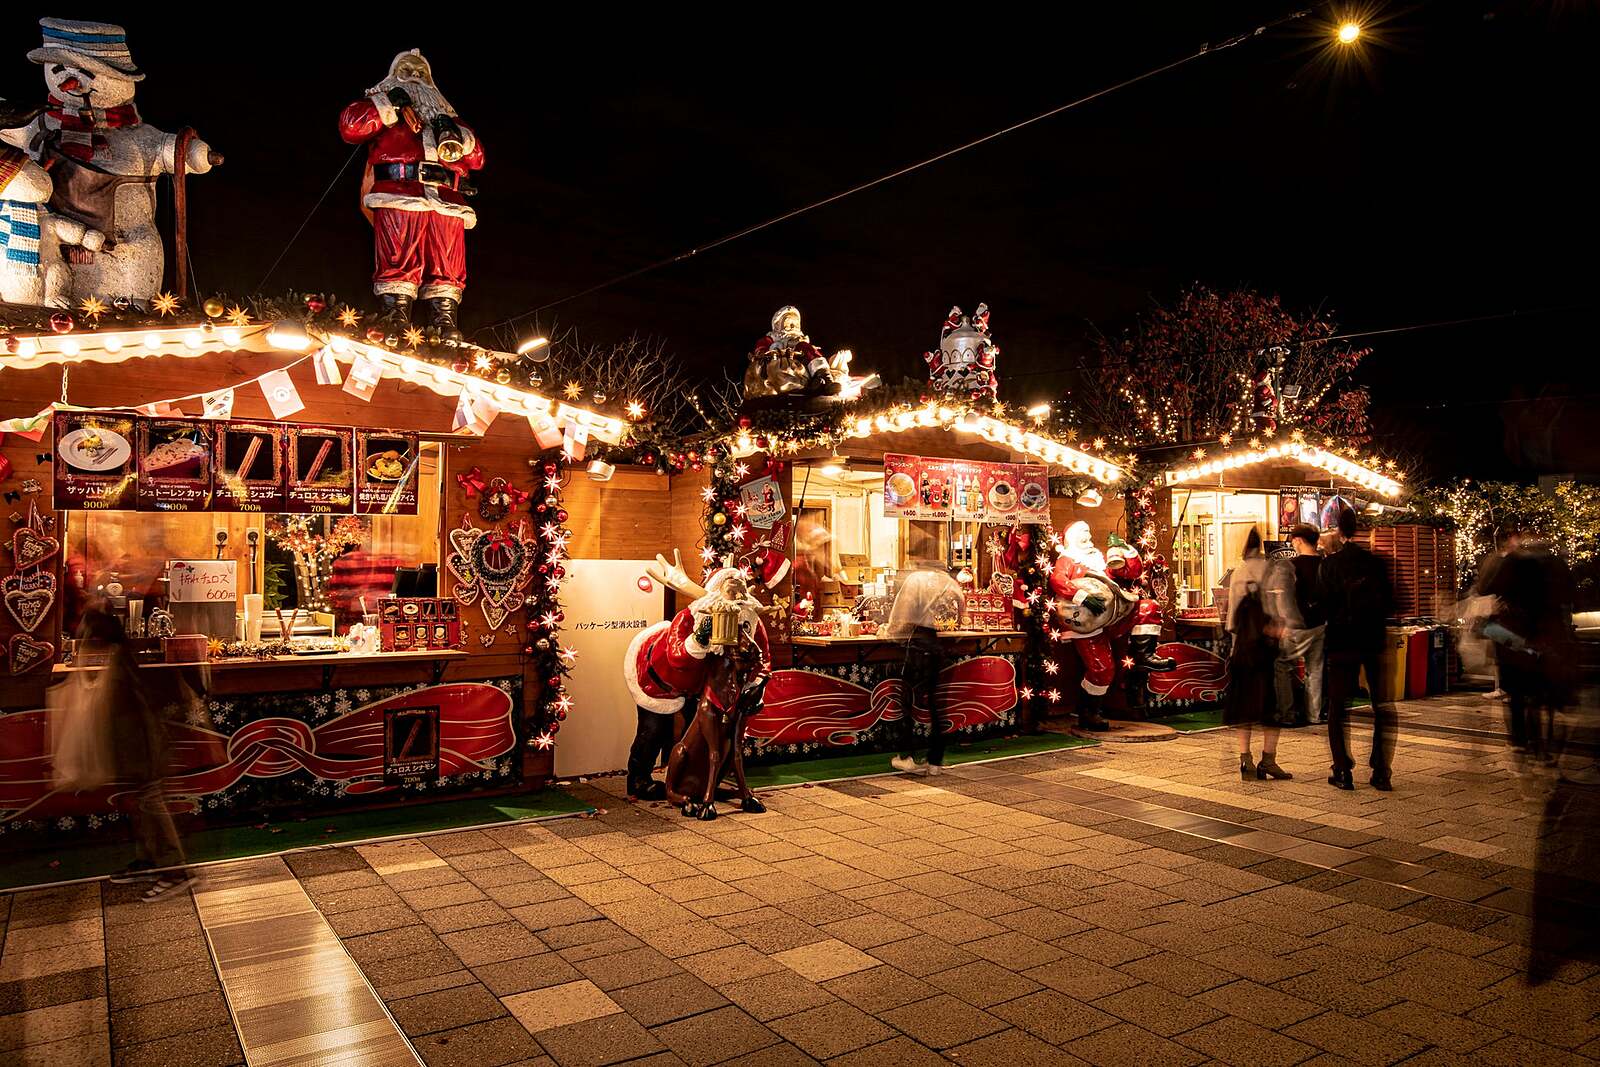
x=426 y=99
x=1088 y=557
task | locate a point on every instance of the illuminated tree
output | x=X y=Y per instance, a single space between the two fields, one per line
x=1195 y=370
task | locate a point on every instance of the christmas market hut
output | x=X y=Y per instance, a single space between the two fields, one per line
x=1194 y=511
x=338 y=562
x=831 y=500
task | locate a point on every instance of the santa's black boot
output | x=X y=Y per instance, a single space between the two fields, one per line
x=1089 y=717
x=1143 y=647
x=442 y=319
x=395 y=315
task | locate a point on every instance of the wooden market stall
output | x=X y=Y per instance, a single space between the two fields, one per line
x=1197 y=510
x=832 y=528
x=331 y=558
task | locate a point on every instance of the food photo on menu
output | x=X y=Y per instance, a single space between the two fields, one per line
x=174 y=464
x=319 y=467
x=249 y=466
x=95 y=463
x=386 y=467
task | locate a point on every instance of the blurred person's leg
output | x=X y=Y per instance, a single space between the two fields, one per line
x=1268 y=767
x=1341 y=688
x=1383 y=727
x=1247 y=763
x=931 y=667
x=1315 y=652
x=908 y=701
x=1283 y=668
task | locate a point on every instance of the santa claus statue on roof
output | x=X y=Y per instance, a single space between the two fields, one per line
x=419 y=157
x=1098 y=610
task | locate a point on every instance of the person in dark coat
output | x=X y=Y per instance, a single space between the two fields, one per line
x=1257 y=590
x=1357 y=596
x=1536 y=595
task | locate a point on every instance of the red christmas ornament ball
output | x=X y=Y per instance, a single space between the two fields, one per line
x=375 y=334
x=61 y=322
x=561 y=716
x=550 y=468
x=315 y=304
x=561 y=515
x=744 y=422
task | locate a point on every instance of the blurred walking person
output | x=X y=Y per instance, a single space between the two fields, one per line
x=1305 y=630
x=927 y=594
x=1533 y=639
x=1258 y=589
x=1356 y=596
x=140 y=752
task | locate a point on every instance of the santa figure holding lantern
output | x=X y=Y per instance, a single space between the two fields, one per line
x=1098 y=607
x=415 y=190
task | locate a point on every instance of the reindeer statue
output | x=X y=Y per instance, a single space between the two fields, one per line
x=714 y=651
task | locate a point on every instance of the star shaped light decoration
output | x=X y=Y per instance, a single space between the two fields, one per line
x=1255 y=442
x=348 y=317
x=413 y=337
x=635 y=410
x=482 y=362
x=741 y=470
x=1099 y=443
x=1198 y=453
x=544 y=741
x=1297 y=436
x=1026 y=693
x=1072 y=433
x=573 y=390
x=1054 y=696
x=1226 y=439
x=92 y=306
x=1051 y=667
x=708 y=554
x=708 y=494
x=164 y=304
x=238 y=316
x=1127 y=663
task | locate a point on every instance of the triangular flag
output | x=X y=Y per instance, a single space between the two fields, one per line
x=31 y=427
x=162 y=409
x=546 y=434
x=575 y=441
x=218 y=405
x=282 y=397
x=327 y=365
x=475 y=410
x=365 y=374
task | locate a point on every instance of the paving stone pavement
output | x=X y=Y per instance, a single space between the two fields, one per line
x=1132 y=904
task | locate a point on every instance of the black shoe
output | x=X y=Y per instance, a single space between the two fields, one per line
x=1143 y=649
x=1342 y=779
x=1247 y=766
x=442 y=319
x=652 y=791
x=1089 y=717
x=395 y=317
x=752 y=806
x=1381 y=782
x=1268 y=768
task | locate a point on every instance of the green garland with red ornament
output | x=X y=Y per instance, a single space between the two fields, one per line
x=550 y=660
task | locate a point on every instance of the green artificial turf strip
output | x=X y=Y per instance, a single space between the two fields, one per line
x=795 y=772
x=92 y=859
x=1188 y=722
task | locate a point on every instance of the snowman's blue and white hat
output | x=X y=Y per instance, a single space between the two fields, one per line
x=98 y=47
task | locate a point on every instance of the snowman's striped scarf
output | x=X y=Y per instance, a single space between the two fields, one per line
x=19 y=221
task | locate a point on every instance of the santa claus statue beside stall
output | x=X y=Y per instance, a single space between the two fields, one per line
x=668 y=664
x=419 y=157
x=1098 y=610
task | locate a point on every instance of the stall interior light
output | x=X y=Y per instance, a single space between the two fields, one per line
x=1039 y=411
x=1089 y=498
x=1337 y=466
x=532 y=344
x=835 y=466
x=600 y=470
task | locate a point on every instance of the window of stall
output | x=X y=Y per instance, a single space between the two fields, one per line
x=1209 y=528
x=321 y=568
x=845 y=547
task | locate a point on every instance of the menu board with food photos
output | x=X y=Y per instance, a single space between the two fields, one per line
x=386 y=472
x=966 y=490
x=900 y=499
x=95 y=465
x=249 y=466
x=1033 y=492
x=1000 y=493
x=174 y=464
x=321 y=478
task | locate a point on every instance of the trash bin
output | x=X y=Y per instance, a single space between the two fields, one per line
x=1391 y=683
x=1438 y=659
x=1418 y=642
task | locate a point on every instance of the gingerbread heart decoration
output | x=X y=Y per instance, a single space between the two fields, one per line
x=29 y=598
x=25 y=653
x=31 y=548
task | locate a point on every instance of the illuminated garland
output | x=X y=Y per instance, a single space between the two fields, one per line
x=723 y=528
x=1295 y=448
x=550 y=659
x=1033 y=583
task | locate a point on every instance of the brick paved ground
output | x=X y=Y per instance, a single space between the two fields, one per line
x=1137 y=904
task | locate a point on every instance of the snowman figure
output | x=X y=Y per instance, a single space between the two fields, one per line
x=31 y=268
x=103 y=160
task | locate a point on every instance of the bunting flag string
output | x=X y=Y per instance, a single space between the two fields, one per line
x=282 y=396
x=327 y=366
x=218 y=405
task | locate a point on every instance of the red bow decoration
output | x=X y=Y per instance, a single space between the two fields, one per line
x=801 y=707
x=514 y=496
x=475 y=726
x=472 y=481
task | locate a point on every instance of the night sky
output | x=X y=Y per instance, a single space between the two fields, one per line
x=1443 y=174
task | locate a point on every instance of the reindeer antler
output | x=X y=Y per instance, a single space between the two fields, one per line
x=673 y=575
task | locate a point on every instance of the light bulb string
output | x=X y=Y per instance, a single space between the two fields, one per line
x=689 y=253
